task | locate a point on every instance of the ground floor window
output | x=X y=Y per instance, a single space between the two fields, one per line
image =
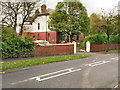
x=48 y=36
x=33 y=36
x=38 y=36
x=78 y=37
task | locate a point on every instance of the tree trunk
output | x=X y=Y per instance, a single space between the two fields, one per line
x=21 y=30
x=71 y=36
x=15 y=25
x=108 y=36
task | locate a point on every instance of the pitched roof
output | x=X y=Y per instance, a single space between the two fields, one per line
x=32 y=18
x=50 y=10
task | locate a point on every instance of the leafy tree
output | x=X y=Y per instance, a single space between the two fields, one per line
x=95 y=23
x=70 y=18
x=106 y=22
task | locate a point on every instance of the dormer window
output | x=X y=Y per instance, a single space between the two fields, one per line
x=38 y=26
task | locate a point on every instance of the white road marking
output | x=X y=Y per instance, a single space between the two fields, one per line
x=51 y=73
x=97 y=63
x=116 y=86
x=58 y=75
x=116 y=58
x=20 y=81
x=62 y=72
x=38 y=78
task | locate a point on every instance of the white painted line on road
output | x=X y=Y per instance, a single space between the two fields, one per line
x=115 y=58
x=20 y=81
x=38 y=78
x=52 y=73
x=97 y=63
x=116 y=86
x=58 y=75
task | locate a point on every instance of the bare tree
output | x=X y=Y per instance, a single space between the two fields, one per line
x=27 y=8
x=10 y=11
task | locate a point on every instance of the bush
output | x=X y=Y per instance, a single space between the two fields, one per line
x=14 y=46
x=81 y=44
x=96 y=39
x=101 y=39
x=114 y=39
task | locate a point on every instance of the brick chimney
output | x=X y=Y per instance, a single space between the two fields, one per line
x=43 y=9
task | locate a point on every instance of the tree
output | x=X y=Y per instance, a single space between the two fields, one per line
x=10 y=11
x=70 y=18
x=106 y=23
x=95 y=23
x=109 y=24
x=27 y=8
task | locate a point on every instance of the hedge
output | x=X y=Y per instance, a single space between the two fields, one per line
x=101 y=39
x=14 y=45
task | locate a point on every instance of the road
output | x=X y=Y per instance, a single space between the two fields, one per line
x=97 y=71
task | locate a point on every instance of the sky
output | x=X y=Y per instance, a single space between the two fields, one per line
x=92 y=6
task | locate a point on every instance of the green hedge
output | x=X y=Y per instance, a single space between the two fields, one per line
x=15 y=46
x=101 y=39
x=96 y=38
x=114 y=39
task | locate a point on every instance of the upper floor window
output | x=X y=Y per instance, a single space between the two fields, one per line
x=38 y=26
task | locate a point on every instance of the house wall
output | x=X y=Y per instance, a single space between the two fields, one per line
x=53 y=50
x=43 y=20
x=53 y=36
x=82 y=37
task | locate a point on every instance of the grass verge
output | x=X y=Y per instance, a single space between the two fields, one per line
x=110 y=52
x=19 y=64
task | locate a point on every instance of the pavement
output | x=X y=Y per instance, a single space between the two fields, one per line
x=22 y=59
x=97 y=71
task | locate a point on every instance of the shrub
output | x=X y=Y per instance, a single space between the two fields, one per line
x=96 y=39
x=114 y=39
x=14 y=46
x=101 y=39
x=81 y=44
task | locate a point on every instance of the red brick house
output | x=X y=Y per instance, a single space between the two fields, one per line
x=37 y=27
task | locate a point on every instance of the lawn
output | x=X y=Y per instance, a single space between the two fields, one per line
x=19 y=64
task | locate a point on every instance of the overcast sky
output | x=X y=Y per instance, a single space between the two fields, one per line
x=91 y=5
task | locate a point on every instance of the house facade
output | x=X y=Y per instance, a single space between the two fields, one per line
x=37 y=27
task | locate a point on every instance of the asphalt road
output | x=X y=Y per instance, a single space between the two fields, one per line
x=97 y=71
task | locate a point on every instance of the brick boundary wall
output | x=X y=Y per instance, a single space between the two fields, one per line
x=102 y=47
x=52 y=50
